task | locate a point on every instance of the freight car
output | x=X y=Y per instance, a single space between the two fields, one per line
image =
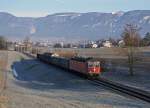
x=44 y=57
x=85 y=66
x=57 y=61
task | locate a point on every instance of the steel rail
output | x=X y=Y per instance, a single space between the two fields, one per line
x=131 y=91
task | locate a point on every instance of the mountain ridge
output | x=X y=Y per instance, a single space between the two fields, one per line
x=90 y=25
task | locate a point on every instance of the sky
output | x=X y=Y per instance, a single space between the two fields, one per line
x=39 y=8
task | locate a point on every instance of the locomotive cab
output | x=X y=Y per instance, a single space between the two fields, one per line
x=94 y=67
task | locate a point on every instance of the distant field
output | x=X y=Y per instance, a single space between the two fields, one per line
x=94 y=52
x=98 y=52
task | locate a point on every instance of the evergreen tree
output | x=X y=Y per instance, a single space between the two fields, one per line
x=146 y=39
x=3 y=43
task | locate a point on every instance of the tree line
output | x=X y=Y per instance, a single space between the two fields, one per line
x=3 y=43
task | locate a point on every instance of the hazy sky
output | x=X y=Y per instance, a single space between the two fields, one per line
x=36 y=8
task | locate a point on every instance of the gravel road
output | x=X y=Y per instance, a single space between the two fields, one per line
x=32 y=84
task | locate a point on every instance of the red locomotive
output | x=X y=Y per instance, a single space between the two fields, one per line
x=85 y=66
x=94 y=67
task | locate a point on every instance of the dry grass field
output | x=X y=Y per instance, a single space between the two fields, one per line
x=95 y=52
x=112 y=53
x=106 y=53
x=3 y=79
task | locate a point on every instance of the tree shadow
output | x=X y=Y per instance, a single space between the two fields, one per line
x=34 y=74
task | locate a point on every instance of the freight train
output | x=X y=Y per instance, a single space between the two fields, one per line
x=85 y=66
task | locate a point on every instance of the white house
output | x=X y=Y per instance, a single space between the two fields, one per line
x=107 y=44
x=94 y=45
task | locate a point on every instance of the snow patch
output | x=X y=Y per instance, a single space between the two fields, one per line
x=66 y=15
x=75 y=16
x=146 y=18
x=119 y=13
x=14 y=72
x=63 y=15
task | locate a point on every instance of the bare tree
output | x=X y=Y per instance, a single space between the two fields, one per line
x=131 y=38
x=28 y=43
x=57 y=45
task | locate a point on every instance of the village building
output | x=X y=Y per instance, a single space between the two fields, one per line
x=107 y=44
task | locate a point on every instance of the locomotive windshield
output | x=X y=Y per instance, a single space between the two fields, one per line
x=94 y=64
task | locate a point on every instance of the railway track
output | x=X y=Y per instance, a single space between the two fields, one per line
x=131 y=91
